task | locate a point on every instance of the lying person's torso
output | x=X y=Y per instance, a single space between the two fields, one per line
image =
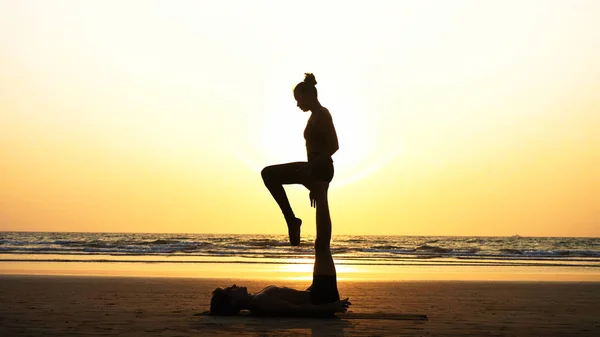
x=286 y=294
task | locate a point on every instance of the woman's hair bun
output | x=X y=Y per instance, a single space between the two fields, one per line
x=310 y=79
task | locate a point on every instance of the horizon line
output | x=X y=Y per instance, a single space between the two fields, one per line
x=283 y=234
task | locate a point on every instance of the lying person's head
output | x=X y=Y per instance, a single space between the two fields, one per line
x=228 y=301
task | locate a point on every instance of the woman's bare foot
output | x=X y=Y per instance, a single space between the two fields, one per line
x=294 y=231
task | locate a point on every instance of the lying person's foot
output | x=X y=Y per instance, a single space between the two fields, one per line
x=294 y=231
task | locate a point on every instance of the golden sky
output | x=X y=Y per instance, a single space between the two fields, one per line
x=454 y=117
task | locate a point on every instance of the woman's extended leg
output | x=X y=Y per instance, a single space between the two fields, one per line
x=275 y=177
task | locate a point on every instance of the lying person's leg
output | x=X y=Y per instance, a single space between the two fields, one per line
x=324 y=287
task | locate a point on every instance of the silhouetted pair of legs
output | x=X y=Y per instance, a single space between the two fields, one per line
x=324 y=285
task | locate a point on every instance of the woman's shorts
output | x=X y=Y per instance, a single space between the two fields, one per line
x=323 y=172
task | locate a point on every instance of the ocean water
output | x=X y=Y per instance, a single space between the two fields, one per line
x=274 y=249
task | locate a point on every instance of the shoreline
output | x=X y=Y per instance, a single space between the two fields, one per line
x=275 y=281
x=302 y=271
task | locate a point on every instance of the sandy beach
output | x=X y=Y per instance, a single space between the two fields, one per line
x=136 y=306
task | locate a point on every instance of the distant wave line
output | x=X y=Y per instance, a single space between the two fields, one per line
x=346 y=263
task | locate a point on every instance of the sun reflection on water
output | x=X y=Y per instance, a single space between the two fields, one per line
x=300 y=270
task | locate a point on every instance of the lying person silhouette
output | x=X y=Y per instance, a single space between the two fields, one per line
x=272 y=301
x=321 y=299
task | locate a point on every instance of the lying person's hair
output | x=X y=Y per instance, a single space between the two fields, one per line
x=221 y=304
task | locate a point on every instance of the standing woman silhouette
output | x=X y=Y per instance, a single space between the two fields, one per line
x=315 y=174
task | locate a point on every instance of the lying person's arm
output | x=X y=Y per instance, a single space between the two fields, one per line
x=277 y=307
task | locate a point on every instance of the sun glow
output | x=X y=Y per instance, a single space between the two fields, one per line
x=447 y=117
x=278 y=135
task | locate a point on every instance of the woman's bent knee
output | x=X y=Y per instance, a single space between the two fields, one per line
x=266 y=173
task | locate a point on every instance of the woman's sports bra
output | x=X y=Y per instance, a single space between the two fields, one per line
x=315 y=140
